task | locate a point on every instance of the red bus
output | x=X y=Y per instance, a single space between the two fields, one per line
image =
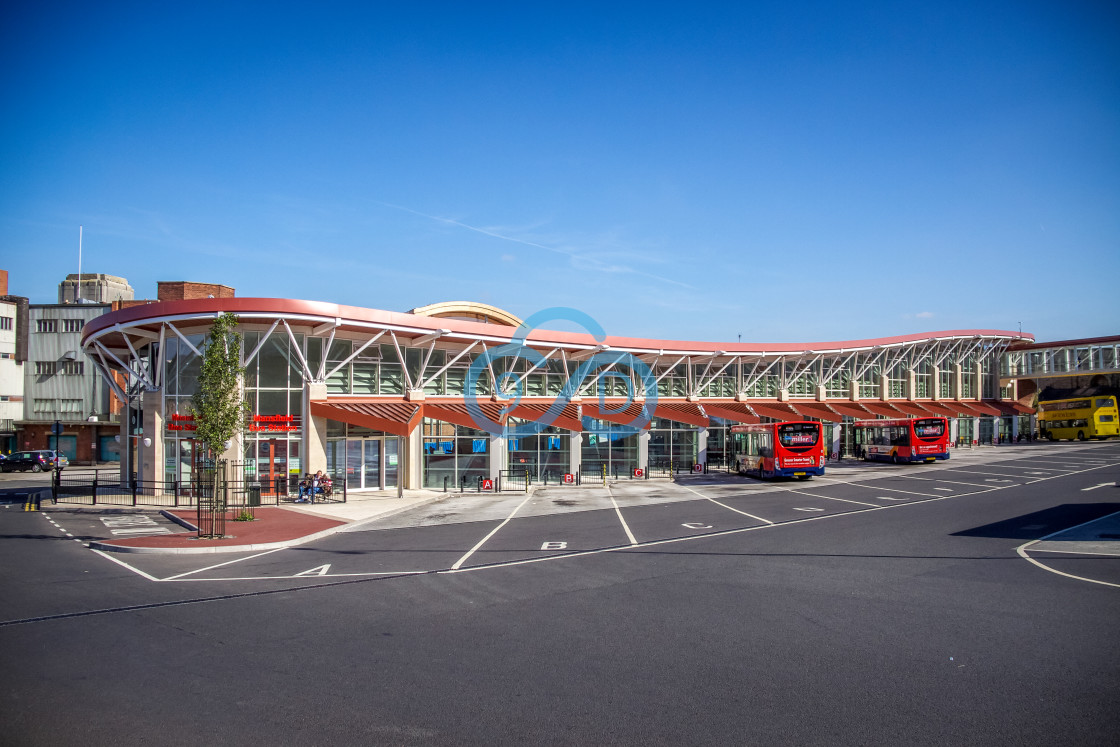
x=794 y=449
x=903 y=440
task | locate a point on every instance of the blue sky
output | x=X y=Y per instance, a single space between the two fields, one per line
x=784 y=172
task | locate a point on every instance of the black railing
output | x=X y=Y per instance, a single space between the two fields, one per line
x=104 y=487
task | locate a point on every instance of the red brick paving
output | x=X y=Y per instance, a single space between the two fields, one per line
x=272 y=525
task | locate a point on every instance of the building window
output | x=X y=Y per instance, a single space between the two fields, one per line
x=46 y=325
x=71 y=325
x=70 y=406
x=5 y=322
x=45 y=368
x=44 y=405
x=73 y=368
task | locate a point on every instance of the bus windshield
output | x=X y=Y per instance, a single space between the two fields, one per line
x=929 y=428
x=798 y=434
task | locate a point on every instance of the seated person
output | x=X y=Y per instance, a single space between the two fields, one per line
x=314 y=485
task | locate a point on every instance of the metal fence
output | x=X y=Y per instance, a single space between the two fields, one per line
x=104 y=487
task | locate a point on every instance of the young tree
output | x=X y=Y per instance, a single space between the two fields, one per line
x=219 y=410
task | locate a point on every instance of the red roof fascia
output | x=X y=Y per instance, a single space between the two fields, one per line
x=884 y=409
x=774 y=409
x=984 y=408
x=908 y=407
x=681 y=412
x=455 y=411
x=851 y=409
x=818 y=410
x=736 y=411
x=568 y=417
x=634 y=414
x=397 y=417
x=939 y=408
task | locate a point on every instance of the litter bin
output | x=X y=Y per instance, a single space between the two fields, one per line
x=254 y=494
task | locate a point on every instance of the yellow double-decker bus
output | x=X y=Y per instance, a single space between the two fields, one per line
x=1080 y=418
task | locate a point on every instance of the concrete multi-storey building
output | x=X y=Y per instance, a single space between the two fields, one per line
x=94 y=287
x=63 y=386
x=13 y=353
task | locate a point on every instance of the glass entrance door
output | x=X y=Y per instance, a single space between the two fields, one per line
x=371 y=472
x=371 y=463
x=272 y=466
x=390 y=462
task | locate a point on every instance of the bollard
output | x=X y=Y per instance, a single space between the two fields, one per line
x=526 y=479
x=445 y=483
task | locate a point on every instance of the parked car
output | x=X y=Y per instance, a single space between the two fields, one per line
x=36 y=461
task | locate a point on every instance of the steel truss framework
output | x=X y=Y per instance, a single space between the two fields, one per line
x=129 y=349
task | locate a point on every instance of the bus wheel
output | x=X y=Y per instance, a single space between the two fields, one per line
x=804 y=477
x=1081 y=435
x=894 y=459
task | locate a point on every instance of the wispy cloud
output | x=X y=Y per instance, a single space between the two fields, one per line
x=609 y=261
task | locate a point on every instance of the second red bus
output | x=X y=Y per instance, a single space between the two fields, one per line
x=903 y=439
x=794 y=449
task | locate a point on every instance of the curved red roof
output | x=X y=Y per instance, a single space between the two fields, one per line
x=357 y=318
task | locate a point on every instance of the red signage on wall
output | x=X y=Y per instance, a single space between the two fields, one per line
x=182 y=423
x=273 y=424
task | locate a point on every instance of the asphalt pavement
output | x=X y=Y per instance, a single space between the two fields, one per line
x=970 y=602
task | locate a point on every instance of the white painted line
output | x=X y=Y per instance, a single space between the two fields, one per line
x=1022 y=551
x=219 y=565
x=473 y=550
x=945 y=490
x=619 y=512
x=1080 y=552
x=1101 y=485
x=126 y=565
x=842 y=500
x=808 y=509
x=329 y=575
x=908 y=492
x=320 y=570
x=729 y=508
x=941 y=479
x=888 y=498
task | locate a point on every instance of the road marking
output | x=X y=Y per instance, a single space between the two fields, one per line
x=126 y=565
x=373 y=576
x=219 y=565
x=619 y=512
x=554 y=546
x=729 y=508
x=818 y=509
x=1101 y=485
x=945 y=490
x=828 y=498
x=697 y=525
x=473 y=550
x=942 y=479
x=908 y=492
x=1022 y=551
x=317 y=571
x=888 y=498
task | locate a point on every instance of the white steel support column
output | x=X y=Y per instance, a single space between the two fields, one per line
x=150 y=458
x=497 y=455
x=413 y=456
x=701 y=446
x=314 y=434
x=643 y=448
x=575 y=452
